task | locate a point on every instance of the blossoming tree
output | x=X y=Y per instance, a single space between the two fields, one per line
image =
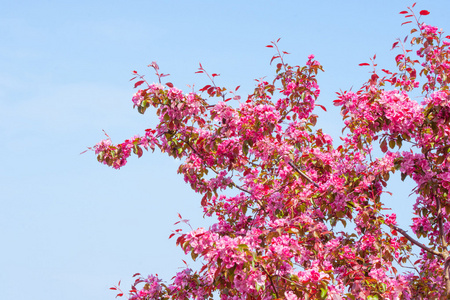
x=276 y=236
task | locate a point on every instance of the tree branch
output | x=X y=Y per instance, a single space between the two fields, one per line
x=415 y=242
x=232 y=182
x=303 y=174
x=447 y=276
x=271 y=281
x=441 y=225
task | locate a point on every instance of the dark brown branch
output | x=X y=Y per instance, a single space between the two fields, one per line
x=447 y=276
x=415 y=242
x=271 y=281
x=303 y=174
x=441 y=226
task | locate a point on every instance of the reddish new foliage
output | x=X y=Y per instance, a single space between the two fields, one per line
x=276 y=236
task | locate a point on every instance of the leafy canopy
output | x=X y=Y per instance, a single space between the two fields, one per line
x=290 y=185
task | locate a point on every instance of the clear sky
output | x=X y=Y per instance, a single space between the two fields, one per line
x=69 y=227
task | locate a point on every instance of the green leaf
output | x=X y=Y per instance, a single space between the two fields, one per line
x=279 y=213
x=141 y=109
x=435 y=128
x=392 y=144
x=166 y=117
x=258 y=287
x=359 y=144
x=245 y=148
x=242 y=247
x=403 y=176
x=323 y=292
x=440 y=159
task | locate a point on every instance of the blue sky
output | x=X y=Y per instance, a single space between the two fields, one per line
x=69 y=227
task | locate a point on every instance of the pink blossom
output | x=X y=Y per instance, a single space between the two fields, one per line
x=138 y=98
x=391 y=219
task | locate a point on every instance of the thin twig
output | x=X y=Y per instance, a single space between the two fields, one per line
x=232 y=182
x=303 y=174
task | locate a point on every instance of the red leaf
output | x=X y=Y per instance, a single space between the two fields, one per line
x=136 y=274
x=205 y=88
x=179 y=216
x=403 y=12
x=364 y=64
x=276 y=56
x=278 y=40
x=139 y=152
x=424 y=12
x=237 y=88
x=286 y=52
x=214 y=75
x=374 y=77
x=171 y=235
x=322 y=107
x=134 y=72
x=199 y=72
x=119 y=295
x=406 y=22
x=394 y=45
x=383 y=146
x=169 y=84
x=133 y=78
x=409 y=16
x=138 y=83
x=447 y=37
x=200 y=65
x=386 y=71
x=375 y=56
x=113 y=288
x=204 y=200
x=337 y=102
x=269 y=46
x=226 y=100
